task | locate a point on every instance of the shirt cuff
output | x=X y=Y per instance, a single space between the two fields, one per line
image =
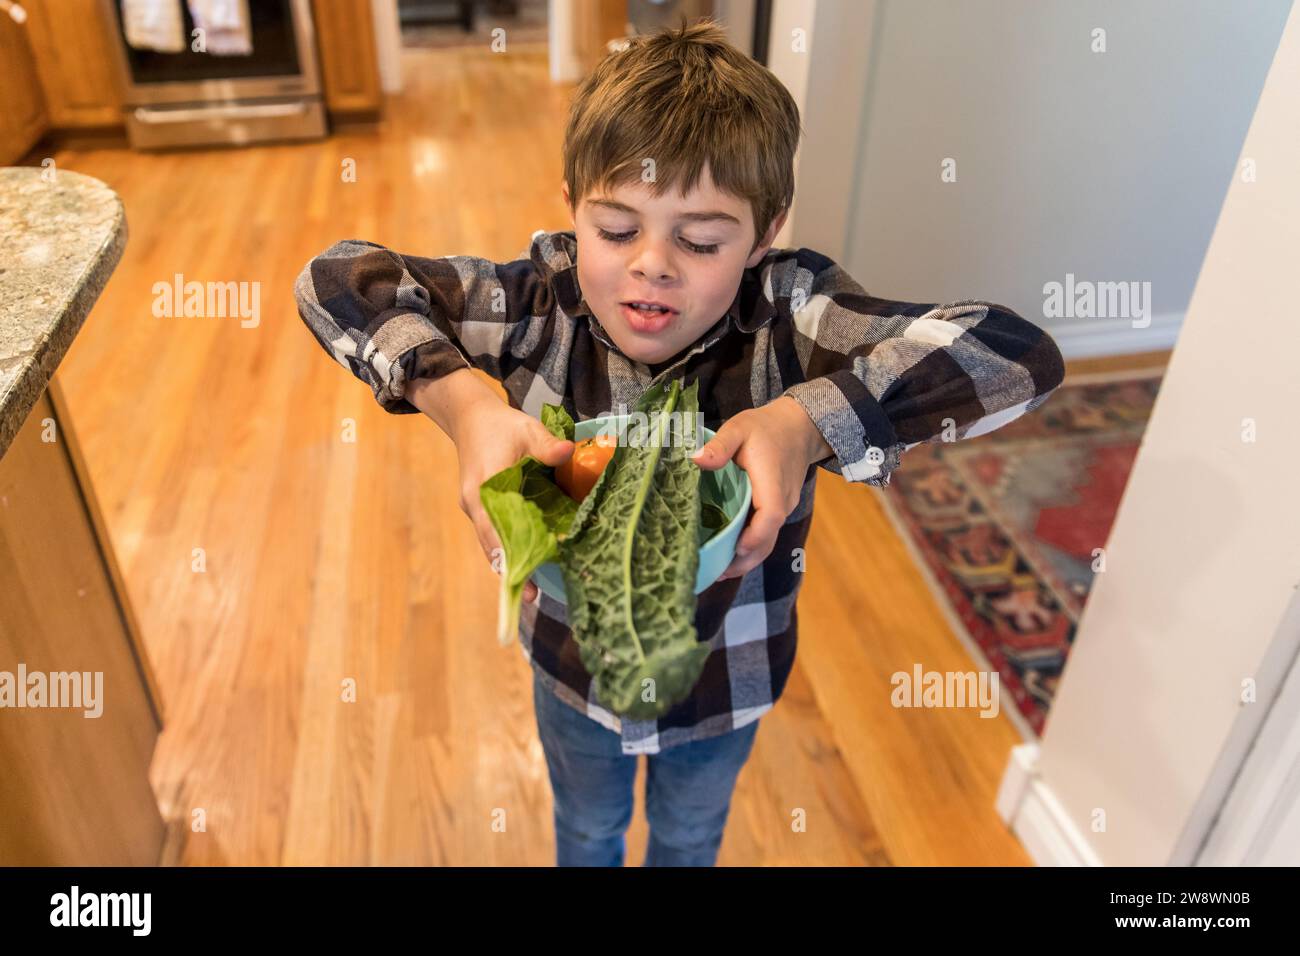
x=429 y=360
x=859 y=433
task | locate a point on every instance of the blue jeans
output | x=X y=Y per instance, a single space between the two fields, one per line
x=688 y=789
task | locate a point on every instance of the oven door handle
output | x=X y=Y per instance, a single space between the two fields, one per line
x=228 y=112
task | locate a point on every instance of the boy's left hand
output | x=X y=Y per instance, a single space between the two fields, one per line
x=774 y=444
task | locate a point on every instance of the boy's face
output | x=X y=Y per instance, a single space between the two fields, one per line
x=684 y=252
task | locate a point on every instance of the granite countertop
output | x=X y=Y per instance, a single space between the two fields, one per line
x=59 y=243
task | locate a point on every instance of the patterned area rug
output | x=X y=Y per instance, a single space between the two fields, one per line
x=1006 y=525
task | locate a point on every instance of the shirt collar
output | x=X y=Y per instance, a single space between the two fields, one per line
x=753 y=307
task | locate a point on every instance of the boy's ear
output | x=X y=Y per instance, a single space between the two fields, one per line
x=761 y=249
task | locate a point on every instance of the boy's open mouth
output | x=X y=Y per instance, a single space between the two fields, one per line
x=647 y=315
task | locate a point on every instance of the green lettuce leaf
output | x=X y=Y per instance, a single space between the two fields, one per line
x=558 y=422
x=529 y=512
x=630 y=561
x=713 y=517
x=629 y=553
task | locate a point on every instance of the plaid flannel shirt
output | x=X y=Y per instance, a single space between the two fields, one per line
x=875 y=376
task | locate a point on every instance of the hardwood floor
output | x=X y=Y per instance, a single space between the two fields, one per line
x=275 y=567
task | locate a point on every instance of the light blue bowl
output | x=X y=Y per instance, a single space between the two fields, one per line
x=715 y=555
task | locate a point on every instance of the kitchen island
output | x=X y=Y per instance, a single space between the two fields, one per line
x=80 y=711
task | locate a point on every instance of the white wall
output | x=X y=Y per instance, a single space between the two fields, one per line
x=1116 y=166
x=388 y=44
x=737 y=18
x=1110 y=166
x=1204 y=559
x=794 y=68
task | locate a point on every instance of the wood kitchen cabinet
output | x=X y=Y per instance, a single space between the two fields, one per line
x=59 y=69
x=70 y=41
x=76 y=785
x=594 y=25
x=345 y=37
x=80 y=708
x=23 y=119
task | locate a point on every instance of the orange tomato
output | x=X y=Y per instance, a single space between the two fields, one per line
x=578 y=475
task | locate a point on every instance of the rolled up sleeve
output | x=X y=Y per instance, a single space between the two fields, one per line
x=881 y=376
x=391 y=318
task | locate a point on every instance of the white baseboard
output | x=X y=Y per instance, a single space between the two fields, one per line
x=1089 y=338
x=1026 y=804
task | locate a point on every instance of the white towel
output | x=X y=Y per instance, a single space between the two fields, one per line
x=154 y=25
x=225 y=26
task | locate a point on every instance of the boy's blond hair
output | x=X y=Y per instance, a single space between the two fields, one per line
x=683 y=98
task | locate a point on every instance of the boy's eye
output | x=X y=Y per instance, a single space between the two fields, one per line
x=621 y=237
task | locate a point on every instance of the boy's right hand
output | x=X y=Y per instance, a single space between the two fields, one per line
x=491 y=436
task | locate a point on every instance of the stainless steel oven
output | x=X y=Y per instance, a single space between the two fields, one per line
x=188 y=98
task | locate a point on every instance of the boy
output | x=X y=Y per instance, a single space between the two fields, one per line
x=678 y=161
